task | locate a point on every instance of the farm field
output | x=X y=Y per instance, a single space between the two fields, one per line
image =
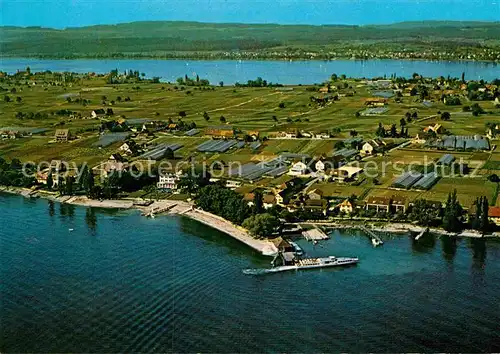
x=267 y=110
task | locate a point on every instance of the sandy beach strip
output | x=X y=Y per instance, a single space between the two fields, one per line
x=266 y=248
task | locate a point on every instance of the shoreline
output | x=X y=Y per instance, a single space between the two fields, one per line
x=250 y=59
x=164 y=206
x=187 y=209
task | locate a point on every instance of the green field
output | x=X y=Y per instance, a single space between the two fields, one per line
x=267 y=110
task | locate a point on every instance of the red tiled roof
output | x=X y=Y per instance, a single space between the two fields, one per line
x=494 y=212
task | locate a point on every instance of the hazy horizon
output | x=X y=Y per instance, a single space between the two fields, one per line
x=61 y=14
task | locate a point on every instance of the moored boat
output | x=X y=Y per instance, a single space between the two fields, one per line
x=307 y=263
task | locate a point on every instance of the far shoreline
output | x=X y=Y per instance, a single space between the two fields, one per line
x=138 y=204
x=292 y=60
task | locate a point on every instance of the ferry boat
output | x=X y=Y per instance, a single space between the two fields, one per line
x=307 y=263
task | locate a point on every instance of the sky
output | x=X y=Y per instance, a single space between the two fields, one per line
x=77 y=13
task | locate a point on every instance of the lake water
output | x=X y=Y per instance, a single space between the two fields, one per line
x=123 y=283
x=283 y=72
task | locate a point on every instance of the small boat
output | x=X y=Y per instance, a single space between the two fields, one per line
x=376 y=242
x=307 y=263
x=71 y=230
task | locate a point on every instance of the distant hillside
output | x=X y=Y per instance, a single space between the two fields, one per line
x=152 y=38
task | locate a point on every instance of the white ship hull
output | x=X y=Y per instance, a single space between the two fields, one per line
x=308 y=264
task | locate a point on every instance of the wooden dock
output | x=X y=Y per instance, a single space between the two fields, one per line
x=315 y=234
x=158 y=210
x=376 y=241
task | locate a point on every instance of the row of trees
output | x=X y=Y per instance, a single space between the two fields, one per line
x=192 y=82
x=451 y=218
x=11 y=174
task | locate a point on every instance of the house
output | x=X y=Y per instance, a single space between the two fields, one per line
x=380 y=204
x=316 y=205
x=278 y=196
x=322 y=136
x=232 y=184
x=398 y=204
x=116 y=157
x=315 y=194
x=62 y=135
x=172 y=126
x=129 y=148
x=346 y=173
x=324 y=164
x=268 y=200
x=286 y=252
x=291 y=133
x=169 y=181
x=299 y=169
x=97 y=113
x=221 y=132
x=375 y=102
x=493 y=132
x=371 y=147
x=112 y=166
x=254 y=134
x=324 y=90
x=346 y=207
x=436 y=128
x=494 y=215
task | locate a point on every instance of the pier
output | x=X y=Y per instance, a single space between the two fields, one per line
x=376 y=241
x=315 y=234
x=421 y=234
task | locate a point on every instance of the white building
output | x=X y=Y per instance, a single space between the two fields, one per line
x=298 y=169
x=232 y=184
x=169 y=181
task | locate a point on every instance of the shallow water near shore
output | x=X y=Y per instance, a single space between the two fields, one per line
x=122 y=282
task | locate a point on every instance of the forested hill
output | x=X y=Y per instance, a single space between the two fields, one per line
x=157 y=38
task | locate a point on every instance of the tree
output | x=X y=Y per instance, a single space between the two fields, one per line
x=476 y=109
x=87 y=180
x=69 y=185
x=445 y=116
x=402 y=122
x=424 y=213
x=261 y=225
x=50 y=181
x=380 y=130
x=494 y=178
x=452 y=213
x=275 y=118
x=222 y=119
x=221 y=83
x=394 y=131
x=109 y=112
x=258 y=201
x=206 y=116
x=19 y=99
x=182 y=114
x=6 y=98
x=281 y=105
x=339 y=145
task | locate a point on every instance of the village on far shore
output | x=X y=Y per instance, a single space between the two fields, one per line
x=418 y=150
